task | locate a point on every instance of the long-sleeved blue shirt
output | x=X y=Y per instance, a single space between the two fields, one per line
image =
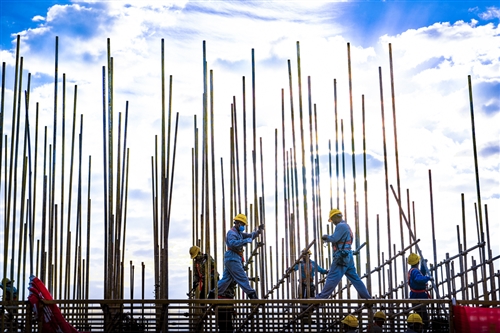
x=341 y=235
x=235 y=240
x=418 y=282
x=313 y=268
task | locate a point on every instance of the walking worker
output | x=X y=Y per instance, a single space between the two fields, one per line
x=414 y=323
x=9 y=291
x=201 y=261
x=343 y=262
x=236 y=239
x=378 y=321
x=308 y=274
x=349 y=324
x=417 y=281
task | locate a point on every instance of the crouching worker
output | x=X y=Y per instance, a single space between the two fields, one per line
x=201 y=263
x=236 y=239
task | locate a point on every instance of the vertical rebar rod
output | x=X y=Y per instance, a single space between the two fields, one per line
x=16 y=125
x=17 y=76
x=343 y=166
x=236 y=154
x=303 y=153
x=365 y=188
x=355 y=200
x=245 y=145
x=432 y=224
x=254 y=129
x=478 y=189
x=311 y=153
x=398 y=181
x=337 y=164
x=214 y=190
x=464 y=230
x=54 y=142
x=276 y=197
x=385 y=171
x=89 y=212
x=293 y=157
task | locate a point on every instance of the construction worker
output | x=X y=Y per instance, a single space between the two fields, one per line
x=378 y=321
x=342 y=263
x=226 y=311
x=349 y=324
x=417 y=281
x=308 y=274
x=201 y=261
x=234 y=270
x=414 y=323
x=9 y=291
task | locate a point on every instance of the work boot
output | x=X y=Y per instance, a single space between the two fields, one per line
x=253 y=295
x=211 y=294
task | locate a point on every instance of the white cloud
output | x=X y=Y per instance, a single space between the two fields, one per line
x=490 y=13
x=38 y=18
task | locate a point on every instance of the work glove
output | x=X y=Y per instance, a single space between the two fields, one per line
x=324 y=237
x=249 y=240
x=260 y=229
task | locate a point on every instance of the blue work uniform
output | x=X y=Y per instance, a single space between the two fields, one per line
x=342 y=237
x=418 y=289
x=233 y=261
x=313 y=268
x=418 y=282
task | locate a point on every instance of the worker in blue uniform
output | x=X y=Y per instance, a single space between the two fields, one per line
x=417 y=281
x=308 y=269
x=236 y=239
x=343 y=262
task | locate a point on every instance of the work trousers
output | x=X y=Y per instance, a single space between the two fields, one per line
x=233 y=271
x=336 y=273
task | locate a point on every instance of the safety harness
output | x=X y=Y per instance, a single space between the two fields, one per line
x=416 y=290
x=234 y=250
x=335 y=246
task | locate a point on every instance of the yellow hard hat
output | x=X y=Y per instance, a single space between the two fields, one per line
x=308 y=251
x=415 y=318
x=333 y=212
x=5 y=281
x=379 y=314
x=193 y=251
x=413 y=259
x=350 y=321
x=241 y=218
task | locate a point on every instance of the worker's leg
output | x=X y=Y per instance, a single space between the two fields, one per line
x=226 y=280
x=332 y=280
x=237 y=272
x=353 y=276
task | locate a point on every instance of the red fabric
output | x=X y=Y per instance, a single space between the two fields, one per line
x=52 y=319
x=478 y=320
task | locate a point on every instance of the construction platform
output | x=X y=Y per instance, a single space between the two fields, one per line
x=249 y=316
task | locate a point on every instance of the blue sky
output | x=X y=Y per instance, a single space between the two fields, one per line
x=363 y=21
x=436 y=45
